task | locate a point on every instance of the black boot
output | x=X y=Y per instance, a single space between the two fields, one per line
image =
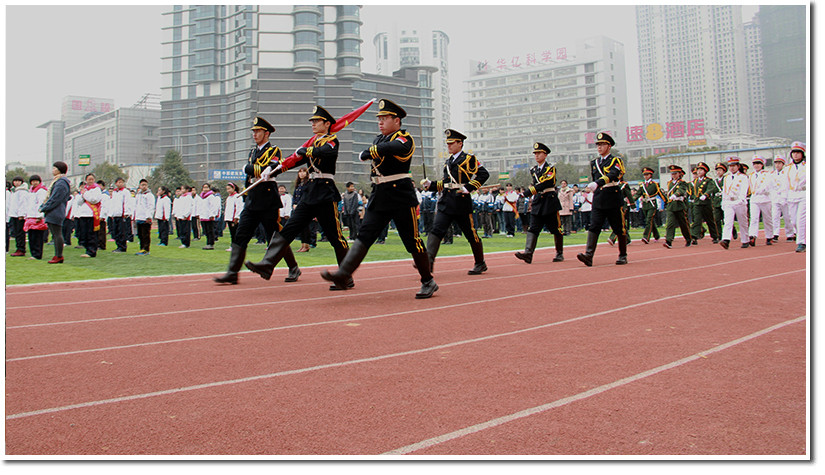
x=529 y=248
x=622 y=252
x=274 y=252
x=235 y=263
x=428 y=285
x=589 y=249
x=559 y=248
x=427 y=289
x=433 y=243
x=478 y=256
x=289 y=258
x=342 y=278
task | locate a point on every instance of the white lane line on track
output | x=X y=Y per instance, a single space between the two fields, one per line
x=583 y=395
x=208 y=275
x=333 y=295
x=227 y=289
x=386 y=356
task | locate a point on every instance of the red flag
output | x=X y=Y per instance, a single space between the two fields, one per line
x=344 y=121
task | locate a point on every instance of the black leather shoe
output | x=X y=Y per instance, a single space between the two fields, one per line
x=228 y=278
x=745 y=245
x=724 y=243
x=427 y=289
x=769 y=242
x=528 y=258
x=349 y=285
x=622 y=260
x=294 y=273
x=266 y=274
x=477 y=269
x=588 y=260
x=559 y=257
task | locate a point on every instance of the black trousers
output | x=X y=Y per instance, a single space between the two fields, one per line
x=509 y=222
x=249 y=221
x=184 y=226
x=68 y=227
x=208 y=228
x=86 y=235
x=233 y=226
x=144 y=230
x=57 y=238
x=163 y=231
x=327 y=216
x=36 y=238
x=101 y=235
x=539 y=221
x=18 y=234
x=406 y=223
x=444 y=219
x=614 y=216
x=119 y=232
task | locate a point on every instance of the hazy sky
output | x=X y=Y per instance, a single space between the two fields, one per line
x=114 y=52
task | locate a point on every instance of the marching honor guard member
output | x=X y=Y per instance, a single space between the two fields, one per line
x=319 y=199
x=760 y=183
x=797 y=201
x=393 y=198
x=546 y=207
x=628 y=203
x=735 y=203
x=261 y=204
x=607 y=172
x=676 y=208
x=463 y=174
x=779 y=199
x=702 y=191
x=648 y=191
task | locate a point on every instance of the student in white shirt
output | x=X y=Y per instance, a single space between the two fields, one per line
x=117 y=211
x=183 y=213
x=144 y=210
x=163 y=215
x=35 y=227
x=797 y=200
x=232 y=210
x=208 y=209
x=17 y=215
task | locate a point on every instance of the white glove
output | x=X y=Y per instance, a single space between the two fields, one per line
x=265 y=174
x=425 y=183
x=464 y=190
x=592 y=186
x=703 y=198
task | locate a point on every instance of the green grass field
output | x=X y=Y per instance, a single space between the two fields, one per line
x=174 y=261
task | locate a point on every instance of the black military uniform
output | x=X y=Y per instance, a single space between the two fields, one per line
x=319 y=200
x=607 y=173
x=393 y=198
x=261 y=206
x=544 y=210
x=463 y=174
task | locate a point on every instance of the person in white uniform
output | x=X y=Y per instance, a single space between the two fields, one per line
x=797 y=200
x=735 y=203
x=760 y=184
x=779 y=199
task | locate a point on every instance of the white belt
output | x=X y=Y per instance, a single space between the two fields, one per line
x=315 y=176
x=650 y=200
x=452 y=186
x=678 y=198
x=386 y=179
x=548 y=190
x=608 y=185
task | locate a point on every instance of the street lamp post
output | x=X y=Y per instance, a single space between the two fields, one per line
x=207 y=155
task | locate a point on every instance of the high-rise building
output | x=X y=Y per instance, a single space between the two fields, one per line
x=226 y=64
x=418 y=47
x=558 y=97
x=785 y=49
x=692 y=65
x=756 y=78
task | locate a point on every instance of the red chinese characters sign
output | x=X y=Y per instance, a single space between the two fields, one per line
x=670 y=131
x=90 y=105
x=527 y=60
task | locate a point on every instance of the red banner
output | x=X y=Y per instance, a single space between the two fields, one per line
x=344 y=121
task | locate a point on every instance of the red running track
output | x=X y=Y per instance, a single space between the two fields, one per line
x=687 y=351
